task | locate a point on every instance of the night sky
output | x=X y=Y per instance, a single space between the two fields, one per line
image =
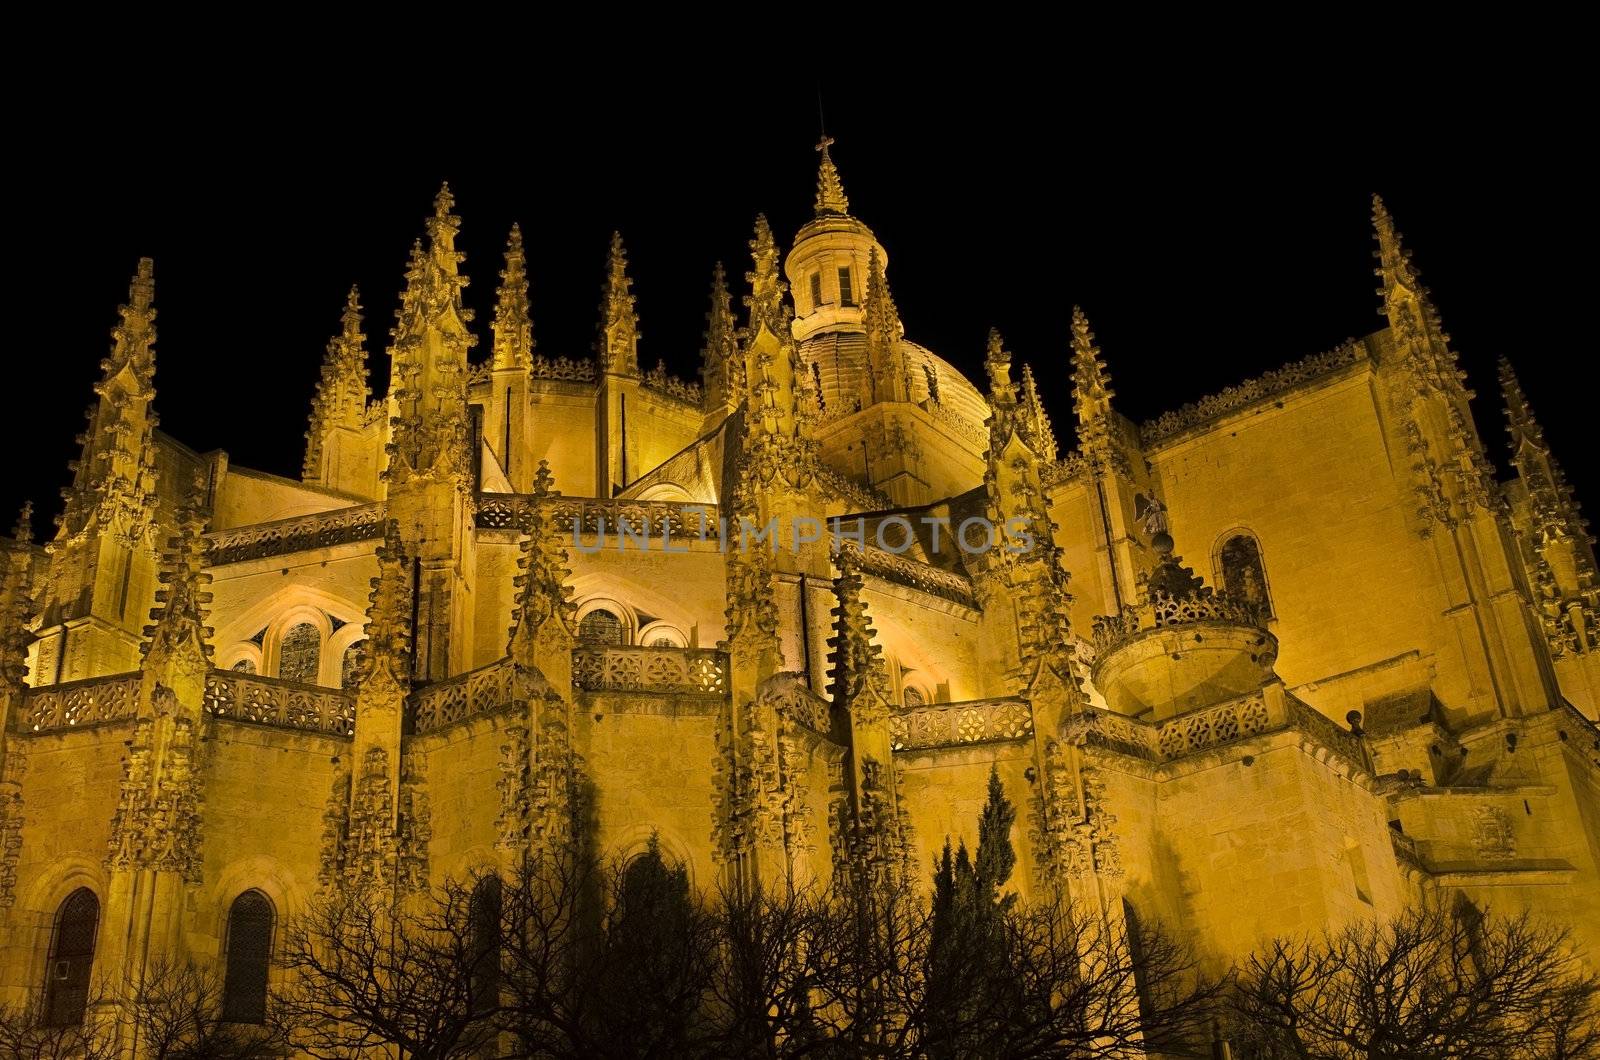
x=1208 y=242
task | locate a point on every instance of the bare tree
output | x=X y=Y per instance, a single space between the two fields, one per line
x=1074 y=981
x=25 y=1034
x=174 y=1012
x=369 y=969
x=1433 y=982
x=760 y=1001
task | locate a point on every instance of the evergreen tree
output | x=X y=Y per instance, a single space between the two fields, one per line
x=967 y=967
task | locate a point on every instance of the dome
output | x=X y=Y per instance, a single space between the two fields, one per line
x=838 y=361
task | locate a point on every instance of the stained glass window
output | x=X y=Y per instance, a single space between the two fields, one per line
x=245 y=666
x=600 y=627
x=300 y=656
x=913 y=696
x=244 y=991
x=71 y=959
x=347 y=668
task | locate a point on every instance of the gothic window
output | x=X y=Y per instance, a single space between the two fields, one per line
x=300 y=655
x=600 y=627
x=71 y=959
x=847 y=296
x=816 y=290
x=933 y=382
x=1243 y=575
x=244 y=990
x=914 y=697
x=244 y=666
x=347 y=667
x=483 y=915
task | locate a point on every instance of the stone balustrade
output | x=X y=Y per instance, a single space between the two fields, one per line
x=280 y=704
x=662 y=671
x=1265 y=711
x=79 y=703
x=652 y=521
x=1161 y=610
x=1255 y=391
x=476 y=692
x=957 y=724
x=301 y=534
x=916 y=575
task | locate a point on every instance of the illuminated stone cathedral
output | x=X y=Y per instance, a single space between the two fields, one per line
x=1288 y=655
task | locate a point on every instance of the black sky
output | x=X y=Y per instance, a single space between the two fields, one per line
x=1209 y=239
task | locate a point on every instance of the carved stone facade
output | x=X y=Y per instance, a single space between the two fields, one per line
x=377 y=675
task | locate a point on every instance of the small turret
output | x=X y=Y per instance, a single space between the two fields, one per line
x=618 y=346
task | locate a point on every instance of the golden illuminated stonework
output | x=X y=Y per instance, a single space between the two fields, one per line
x=781 y=624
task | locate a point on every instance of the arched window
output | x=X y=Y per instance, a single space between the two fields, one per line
x=245 y=666
x=484 y=918
x=244 y=990
x=71 y=959
x=1243 y=575
x=300 y=655
x=347 y=668
x=600 y=627
x=913 y=697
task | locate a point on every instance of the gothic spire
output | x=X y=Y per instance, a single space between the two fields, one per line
x=1432 y=390
x=619 y=321
x=115 y=478
x=178 y=631
x=133 y=345
x=886 y=363
x=543 y=595
x=1091 y=392
x=513 y=322
x=342 y=392
x=1040 y=435
x=1555 y=509
x=830 y=192
x=431 y=432
x=721 y=365
x=776 y=438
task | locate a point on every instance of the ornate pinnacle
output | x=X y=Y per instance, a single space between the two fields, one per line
x=830 y=192
x=513 y=322
x=134 y=338
x=542 y=591
x=619 y=321
x=23 y=532
x=1091 y=382
x=1040 y=435
x=882 y=316
x=182 y=604
x=721 y=364
x=342 y=392
x=387 y=647
x=857 y=663
x=997 y=359
x=765 y=300
x=1394 y=261
x=1519 y=415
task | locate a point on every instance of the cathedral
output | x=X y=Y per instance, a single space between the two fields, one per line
x=1287 y=656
